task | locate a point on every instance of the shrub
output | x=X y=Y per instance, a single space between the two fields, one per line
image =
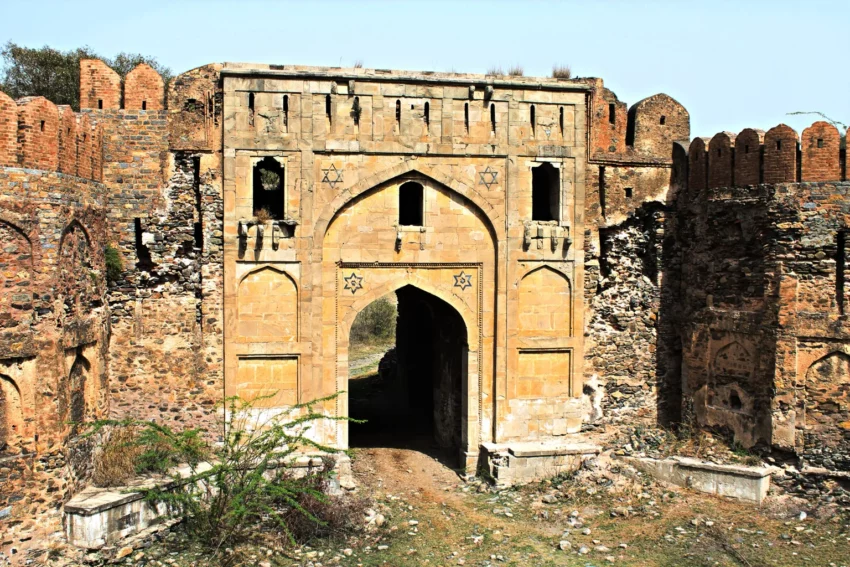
x=263 y=215
x=495 y=71
x=562 y=72
x=114 y=265
x=377 y=322
x=239 y=490
x=516 y=71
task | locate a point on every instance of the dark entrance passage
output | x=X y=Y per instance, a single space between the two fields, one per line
x=415 y=397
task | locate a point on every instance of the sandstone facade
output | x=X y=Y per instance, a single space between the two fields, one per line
x=560 y=261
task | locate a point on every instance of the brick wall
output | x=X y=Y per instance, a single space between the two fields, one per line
x=748 y=157
x=697 y=165
x=38 y=129
x=100 y=86
x=8 y=131
x=780 y=155
x=144 y=89
x=720 y=156
x=820 y=151
x=655 y=123
x=67 y=140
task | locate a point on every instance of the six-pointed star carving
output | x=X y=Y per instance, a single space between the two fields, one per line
x=332 y=176
x=463 y=280
x=353 y=283
x=488 y=177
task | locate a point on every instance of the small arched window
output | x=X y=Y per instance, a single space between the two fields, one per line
x=268 y=189
x=328 y=108
x=411 y=204
x=545 y=193
x=427 y=115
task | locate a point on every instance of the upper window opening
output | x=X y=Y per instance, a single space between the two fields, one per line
x=545 y=193
x=820 y=142
x=398 y=113
x=719 y=151
x=533 y=119
x=778 y=144
x=250 y=108
x=328 y=108
x=286 y=111
x=612 y=114
x=100 y=104
x=493 y=117
x=662 y=120
x=42 y=125
x=268 y=189
x=356 y=110
x=466 y=116
x=561 y=119
x=427 y=115
x=629 y=192
x=746 y=148
x=144 y=105
x=410 y=204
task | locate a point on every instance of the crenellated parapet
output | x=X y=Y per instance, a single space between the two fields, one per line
x=778 y=156
x=644 y=132
x=36 y=134
x=101 y=87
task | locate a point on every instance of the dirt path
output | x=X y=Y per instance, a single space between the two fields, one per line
x=433 y=518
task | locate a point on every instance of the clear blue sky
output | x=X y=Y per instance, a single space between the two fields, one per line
x=733 y=64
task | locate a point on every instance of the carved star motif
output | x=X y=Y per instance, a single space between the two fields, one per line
x=488 y=177
x=463 y=280
x=353 y=283
x=332 y=176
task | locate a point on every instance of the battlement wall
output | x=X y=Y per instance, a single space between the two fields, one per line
x=642 y=133
x=101 y=87
x=777 y=156
x=36 y=134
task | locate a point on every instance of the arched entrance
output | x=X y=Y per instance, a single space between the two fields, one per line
x=417 y=395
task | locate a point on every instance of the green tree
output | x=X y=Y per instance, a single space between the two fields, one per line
x=377 y=322
x=54 y=74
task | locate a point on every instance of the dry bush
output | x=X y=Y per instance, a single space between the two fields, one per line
x=495 y=71
x=263 y=215
x=516 y=71
x=115 y=463
x=339 y=516
x=358 y=64
x=562 y=72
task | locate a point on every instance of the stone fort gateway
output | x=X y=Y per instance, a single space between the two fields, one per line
x=560 y=261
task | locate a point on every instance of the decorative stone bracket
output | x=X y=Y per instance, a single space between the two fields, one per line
x=537 y=232
x=401 y=230
x=284 y=228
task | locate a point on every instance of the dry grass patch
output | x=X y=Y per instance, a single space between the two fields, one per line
x=562 y=72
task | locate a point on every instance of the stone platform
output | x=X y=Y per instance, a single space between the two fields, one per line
x=733 y=481
x=523 y=462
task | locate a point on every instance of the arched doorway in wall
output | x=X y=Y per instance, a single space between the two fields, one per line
x=77 y=393
x=411 y=387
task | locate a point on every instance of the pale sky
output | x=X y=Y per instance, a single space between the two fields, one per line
x=733 y=64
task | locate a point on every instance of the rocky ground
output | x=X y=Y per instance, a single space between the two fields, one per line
x=423 y=513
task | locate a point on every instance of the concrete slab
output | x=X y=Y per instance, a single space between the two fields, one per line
x=734 y=481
